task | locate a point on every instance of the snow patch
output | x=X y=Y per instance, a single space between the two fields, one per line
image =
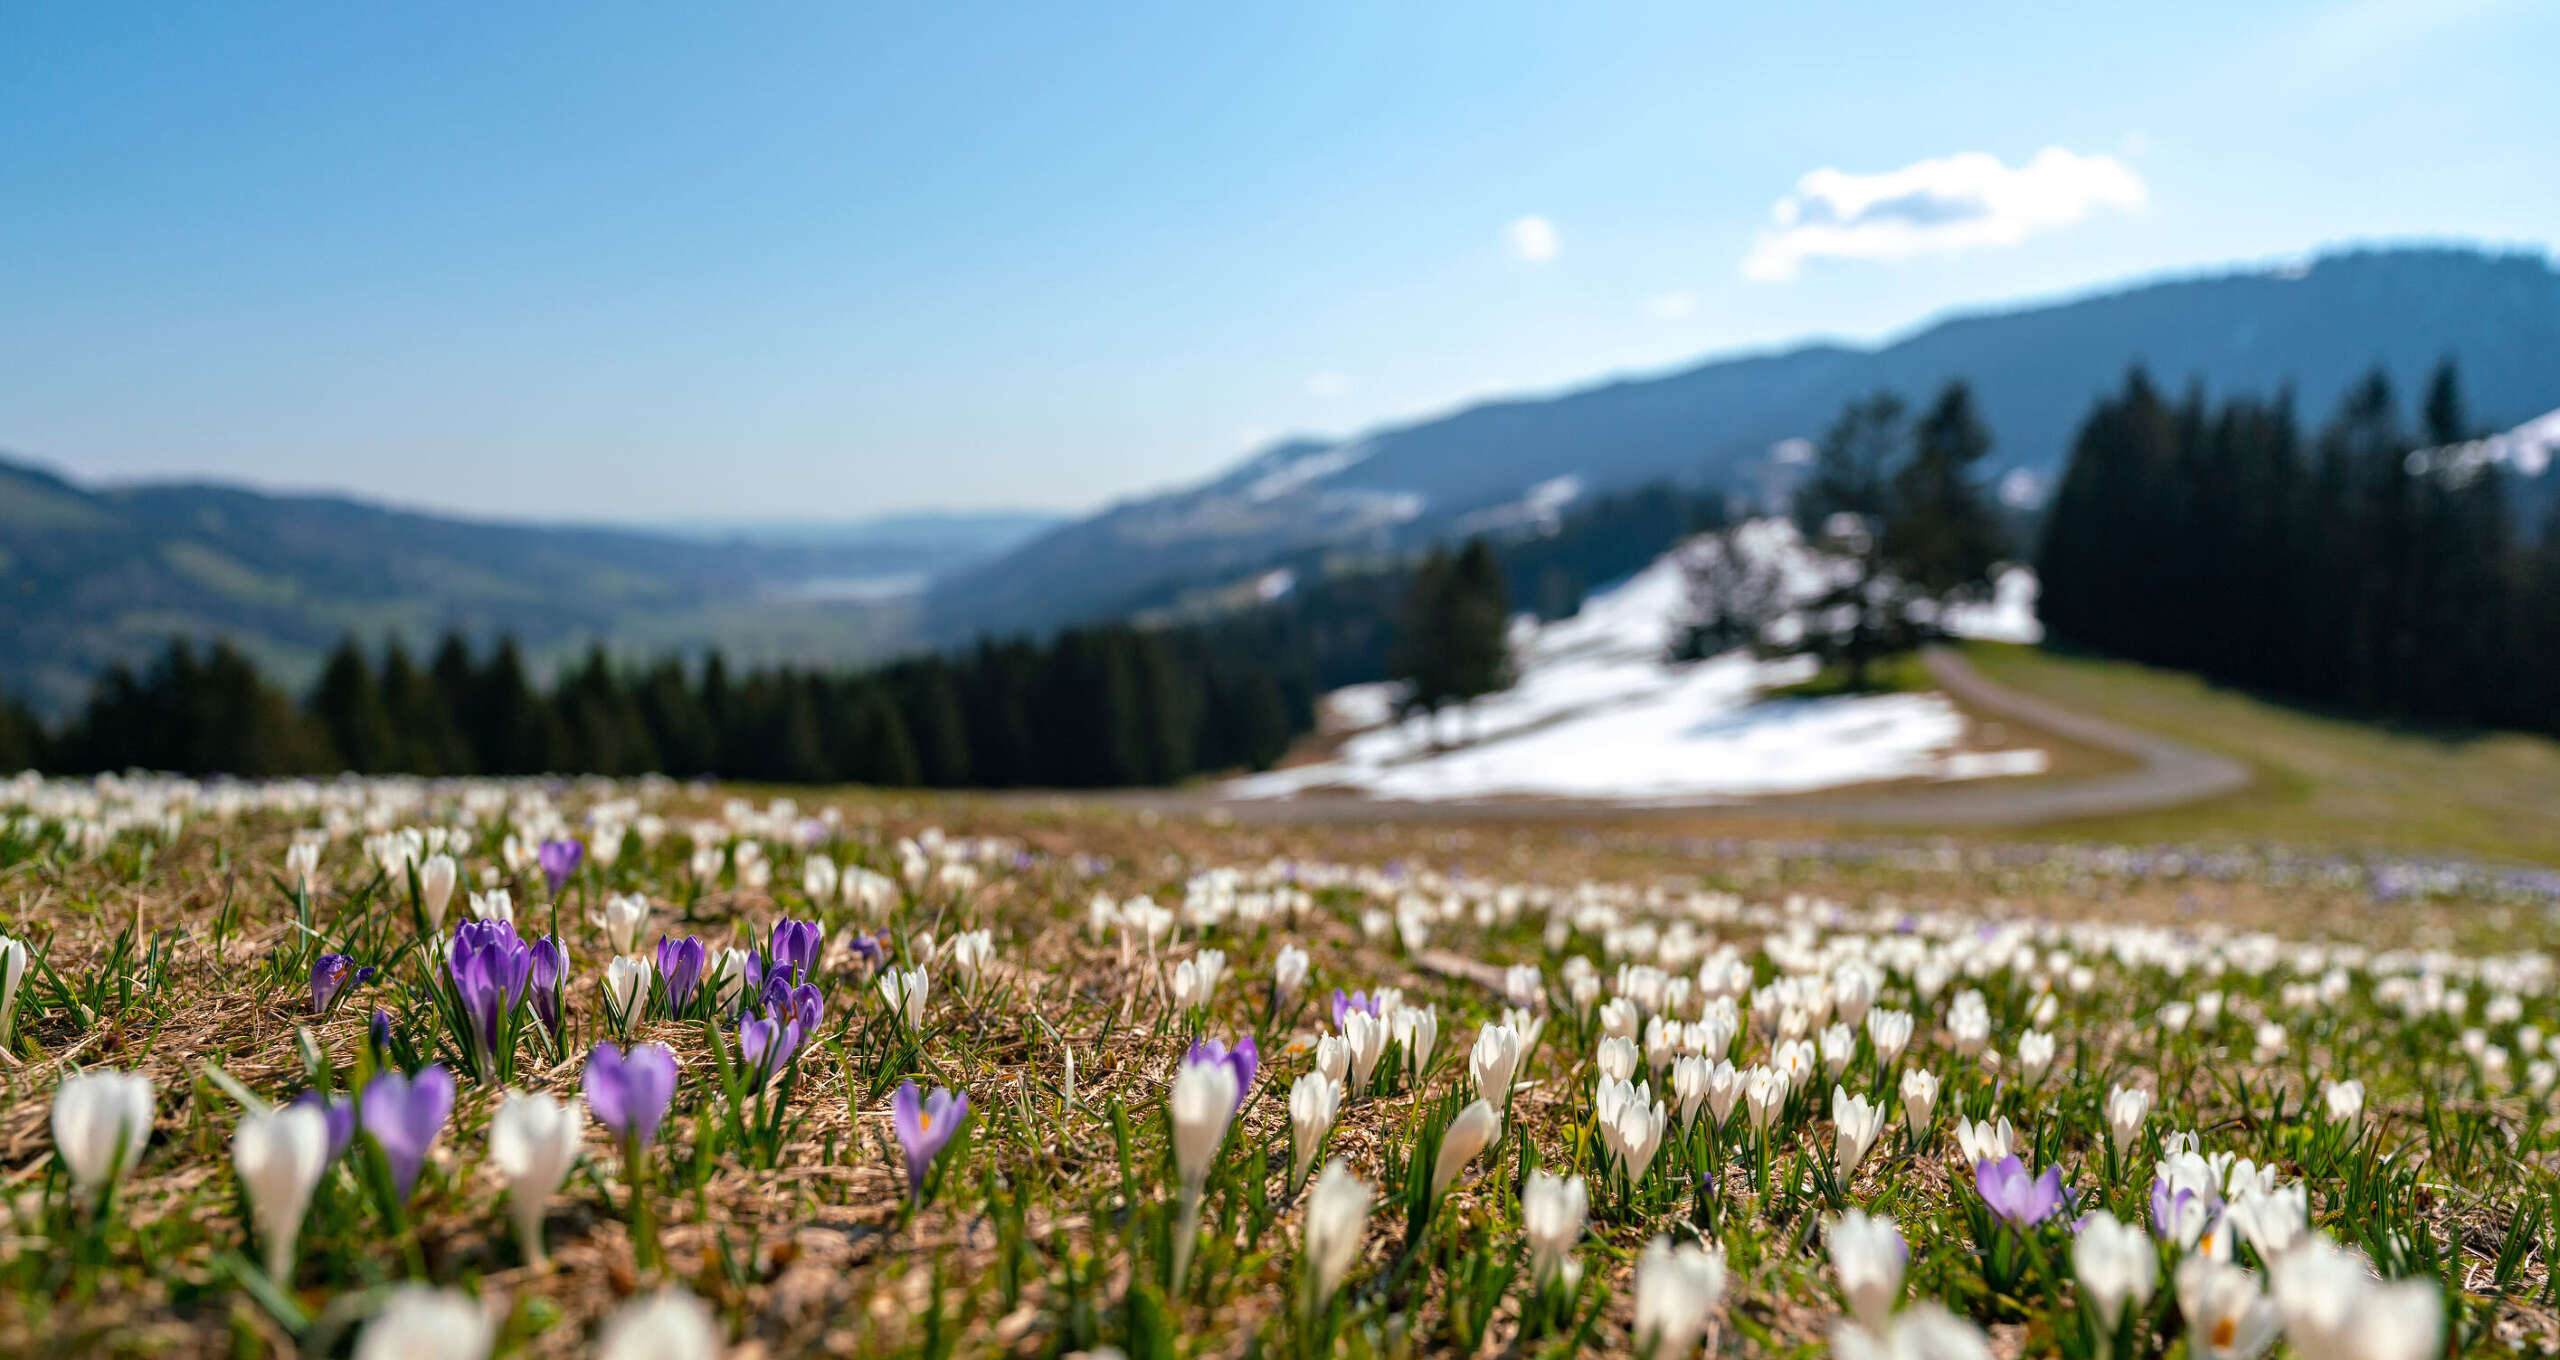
x=1598 y=715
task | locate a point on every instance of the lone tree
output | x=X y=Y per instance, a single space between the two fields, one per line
x=1841 y=510
x=1453 y=643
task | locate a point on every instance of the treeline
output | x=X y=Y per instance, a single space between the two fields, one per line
x=2354 y=568
x=1092 y=707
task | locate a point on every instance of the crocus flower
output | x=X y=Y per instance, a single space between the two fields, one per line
x=419 y=1322
x=2018 y=1198
x=549 y=975
x=2228 y=1317
x=766 y=1045
x=559 y=858
x=2126 y=1109
x=668 y=1325
x=13 y=970
x=534 y=1141
x=1676 y=1288
x=1337 y=1221
x=337 y=1115
x=436 y=880
x=626 y=983
x=625 y=921
x=100 y=1122
x=1344 y=1005
x=2116 y=1264
x=1869 y=1257
x=905 y=991
x=331 y=975
x=797 y=946
x=279 y=1155
x=925 y=1126
x=630 y=1090
x=1552 y=1212
x=489 y=965
x=1494 y=1061
x=1313 y=1102
x=2186 y=1216
x=1473 y=1130
x=680 y=966
x=1856 y=1124
x=379 y=1030
x=404 y=1115
x=1243 y=1058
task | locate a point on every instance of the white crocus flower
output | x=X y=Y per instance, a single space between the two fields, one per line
x=1333 y=1058
x=670 y=1324
x=279 y=1155
x=1868 y=1256
x=2227 y=1317
x=1985 y=1141
x=1289 y=970
x=1473 y=1130
x=1366 y=1035
x=1494 y=1062
x=533 y=1140
x=418 y=1322
x=905 y=990
x=2127 y=1107
x=1676 y=1289
x=2035 y=1056
x=101 y=1120
x=625 y=922
x=1313 y=1102
x=1919 y=1100
x=1890 y=1032
x=13 y=970
x=2116 y=1264
x=1856 y=1124
x=2344 y=1099
x=1337 y=1221
x=1553 y=1210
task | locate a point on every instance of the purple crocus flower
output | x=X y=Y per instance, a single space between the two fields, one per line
x=380 y=1029
x=680 y=966
x=404 y=1115
x=796 y=946
x=2018 y=1198
x=490 y=965
x=338 y=1112
x=1344 y=1005
x=559 y=859
x=1243 y=1059
x=550 y=977
x=868 y=954
x=331 y=975
x=925 y=1126
x=808 y=1007
x=765 y=1045
x=629 y=1091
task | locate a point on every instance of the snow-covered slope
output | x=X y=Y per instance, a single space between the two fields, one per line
x=1598 y=715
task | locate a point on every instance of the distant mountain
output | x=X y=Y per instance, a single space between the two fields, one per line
x=89 y=576
x=2035 y=370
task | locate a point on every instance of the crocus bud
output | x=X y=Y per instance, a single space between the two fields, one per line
x=1313 y=1102
x=13 y=970
x=436 y=880
x=1868 y=1256
x=1337 y=1220
x=1919 y=1099
x=279 y=1155
x=2126 y=1109
x=1494 y=1062
x=1202 y=1104
x=100 y=1122
x=1289 y=970
x=1470 y=1133
x=1552 y=1212
x=533 y=1139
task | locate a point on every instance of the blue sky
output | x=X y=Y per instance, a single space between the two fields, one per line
x=639 y=260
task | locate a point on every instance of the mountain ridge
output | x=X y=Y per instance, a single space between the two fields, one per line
x=2035 y=369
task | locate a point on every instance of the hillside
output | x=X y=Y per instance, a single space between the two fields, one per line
x=94 y=575
x=2035 y=370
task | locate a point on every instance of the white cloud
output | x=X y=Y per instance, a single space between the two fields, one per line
x=1533 y=238
x=1328 y=385
x=1941 y=204
x=1671 y=306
